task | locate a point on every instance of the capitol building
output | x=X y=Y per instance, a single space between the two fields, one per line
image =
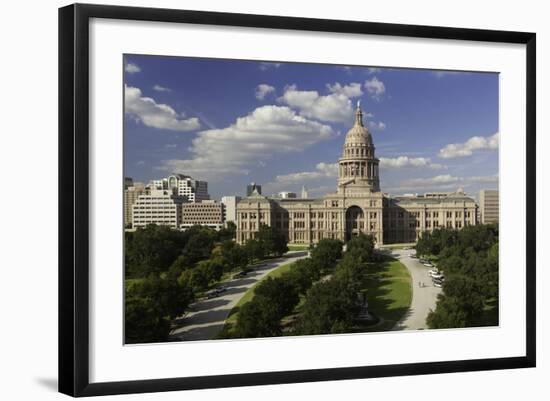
x=357 y=206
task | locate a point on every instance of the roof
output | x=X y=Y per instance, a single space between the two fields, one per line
x=358 y=134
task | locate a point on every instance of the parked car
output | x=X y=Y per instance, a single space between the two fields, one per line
x=433 y=272
x=212 y=294
x=240 y=274
x=437 y=277
x=413 y=255
x=438 y=284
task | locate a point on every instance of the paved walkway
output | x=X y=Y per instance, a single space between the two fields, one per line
x=423 y=298
x=206 y=317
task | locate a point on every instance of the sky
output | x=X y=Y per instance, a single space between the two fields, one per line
x=282 y=125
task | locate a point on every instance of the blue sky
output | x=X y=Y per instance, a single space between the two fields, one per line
x=231 y=122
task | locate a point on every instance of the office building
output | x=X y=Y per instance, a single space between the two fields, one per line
x=206 y=213
x=489 y=206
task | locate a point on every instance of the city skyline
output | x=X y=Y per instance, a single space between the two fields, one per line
x=282 y=125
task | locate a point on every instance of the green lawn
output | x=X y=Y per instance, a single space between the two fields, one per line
x=248 y=295
x=389 y=293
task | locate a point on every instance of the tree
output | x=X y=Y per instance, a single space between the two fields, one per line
x=352 y=269
x=362 y=246
x=152 y=250
x=200 y=243
x=211 y=268
x=254 y=250
x=258 y=318
x=326 y=253
x=281 y=292
x=150 y=304
x=228 y=232
x=273 y=241
x=234 y=254
x=330 y=307
x=469 y=259
x=302 y=274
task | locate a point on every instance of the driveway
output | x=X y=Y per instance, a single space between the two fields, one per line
x=206 y=317
x=423 y=298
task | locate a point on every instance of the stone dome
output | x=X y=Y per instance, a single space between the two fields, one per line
x=358 y=134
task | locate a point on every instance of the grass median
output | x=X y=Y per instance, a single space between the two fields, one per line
x=389 y=293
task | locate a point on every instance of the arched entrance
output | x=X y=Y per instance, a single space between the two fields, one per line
x=355 y=221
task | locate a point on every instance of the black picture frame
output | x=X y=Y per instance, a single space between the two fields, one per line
x=74 y=198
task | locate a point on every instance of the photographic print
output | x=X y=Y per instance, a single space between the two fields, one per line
x=272 y=199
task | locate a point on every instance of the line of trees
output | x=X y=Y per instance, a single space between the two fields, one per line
x=166 y=270
x=275 y=298
x=330 y=292
x=469 y=259
x=331 y=305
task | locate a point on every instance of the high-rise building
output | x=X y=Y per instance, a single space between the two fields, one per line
x=489 y=206
x=131 y=194
x=128 y=182
x=183 y=185
x=159 y=206
x=357 y=206
x=253 y=186
x=206 y=213
x=230 y=208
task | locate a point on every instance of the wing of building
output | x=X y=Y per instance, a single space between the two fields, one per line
x=357 y=206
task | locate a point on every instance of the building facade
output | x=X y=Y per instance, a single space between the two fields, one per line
x=206 y=213
x=489 y=206
x=131 y=195
x=357 y=206
x=183 y=185
x=230 y=208
x=158 y=206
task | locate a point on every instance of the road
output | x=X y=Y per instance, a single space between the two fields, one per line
x=423 y=298
x=206 y=317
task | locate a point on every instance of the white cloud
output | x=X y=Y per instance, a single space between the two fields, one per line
x=263 y=90
x=294 y=181
x=132 y=68
x=374 y=70
x=467 y=148
x=407 y=162
x=322 y=170
x=334 y=107
x=156 y=115
x=267 y=66
x=159 y=88
x=375 y=88
x=445 y=183
x=266 y=131
x=351 y=90
x=377 y=125
x=445 y=179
